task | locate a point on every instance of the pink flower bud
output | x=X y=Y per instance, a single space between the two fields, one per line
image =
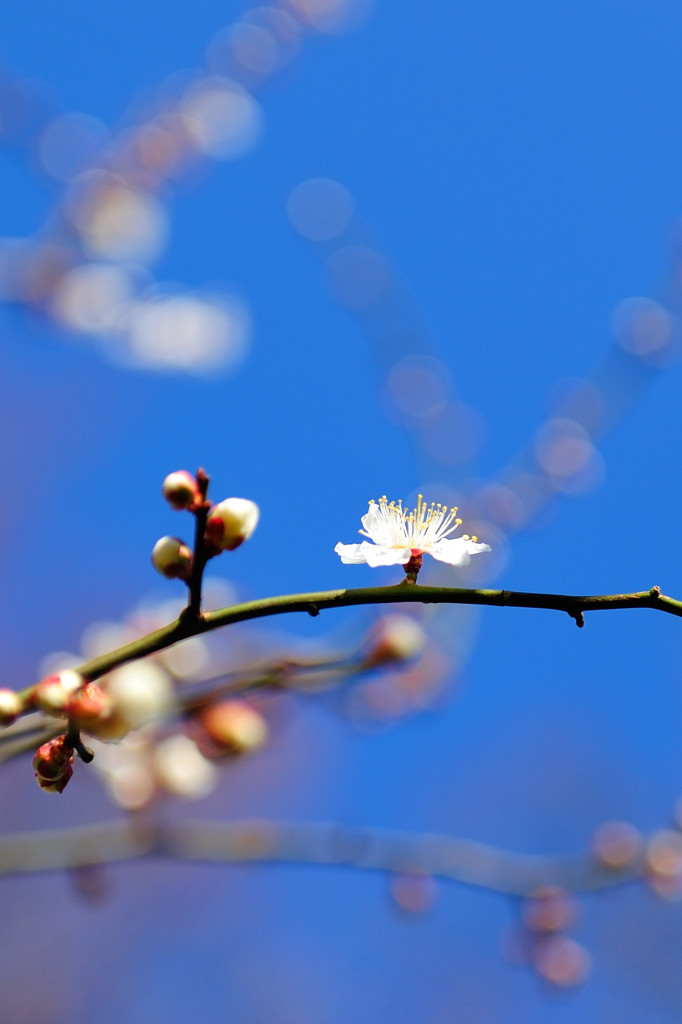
x=549 y=909
x=53 y=763
x=561 y=961
x=11 y=705
x=172 y=558
x=230 y=727
x=181 y=490
x=230 y=523
x=53 y=693
x=394 y=638
x=89 y=706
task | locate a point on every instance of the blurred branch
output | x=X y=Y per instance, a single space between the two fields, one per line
x=290 y=674
x=250 y=841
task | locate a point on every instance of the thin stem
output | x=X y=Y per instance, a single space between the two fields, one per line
x=199 y=559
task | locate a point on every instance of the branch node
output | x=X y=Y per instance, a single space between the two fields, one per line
x=578 y=617
x=313 y=610
x=190 y=616
x=655 y=592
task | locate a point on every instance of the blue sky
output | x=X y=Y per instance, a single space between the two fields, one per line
x=514 y=175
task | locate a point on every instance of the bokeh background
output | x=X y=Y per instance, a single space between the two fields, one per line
x=330 y=250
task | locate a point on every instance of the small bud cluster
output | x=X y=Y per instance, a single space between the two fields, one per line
x=541 y=942
x=140 y=695
x=66 y=694
x=226 y=525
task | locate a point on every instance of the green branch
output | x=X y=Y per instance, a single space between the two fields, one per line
x=403 y=593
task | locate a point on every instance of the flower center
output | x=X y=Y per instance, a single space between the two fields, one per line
x=417 y=529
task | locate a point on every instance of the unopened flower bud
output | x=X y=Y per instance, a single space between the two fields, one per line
x=181 y=490
x=53 y=693
x=664 y=863
x=172 y=558
x=53 y=764
x=11 y=705
x=561 y=961
x=89 y=706
x=394 y=638
x=617 y=844
x=230 y=727
x=549 y=909
x=230 y=523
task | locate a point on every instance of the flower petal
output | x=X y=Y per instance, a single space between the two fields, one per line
x=375 y=526
x=379 y=554
x=353 y=554
x=457 y=551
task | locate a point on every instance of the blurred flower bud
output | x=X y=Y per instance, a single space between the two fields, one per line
x=561 y=961
x=181 y=490
x=141 y=693
x=182 y=769
x=108 y=727
x=413 y=891
x=53 y=693
x=230 y=727
x=394 y=638
x=230 y=523
x=664 y=863
x=11 y=705
x=53 y=764
x=549 y=910
x=172 y=558
x=617 y=844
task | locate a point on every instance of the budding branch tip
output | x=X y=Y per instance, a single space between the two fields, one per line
x=85 y=753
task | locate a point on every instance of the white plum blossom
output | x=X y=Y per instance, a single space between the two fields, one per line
x=397 y=534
